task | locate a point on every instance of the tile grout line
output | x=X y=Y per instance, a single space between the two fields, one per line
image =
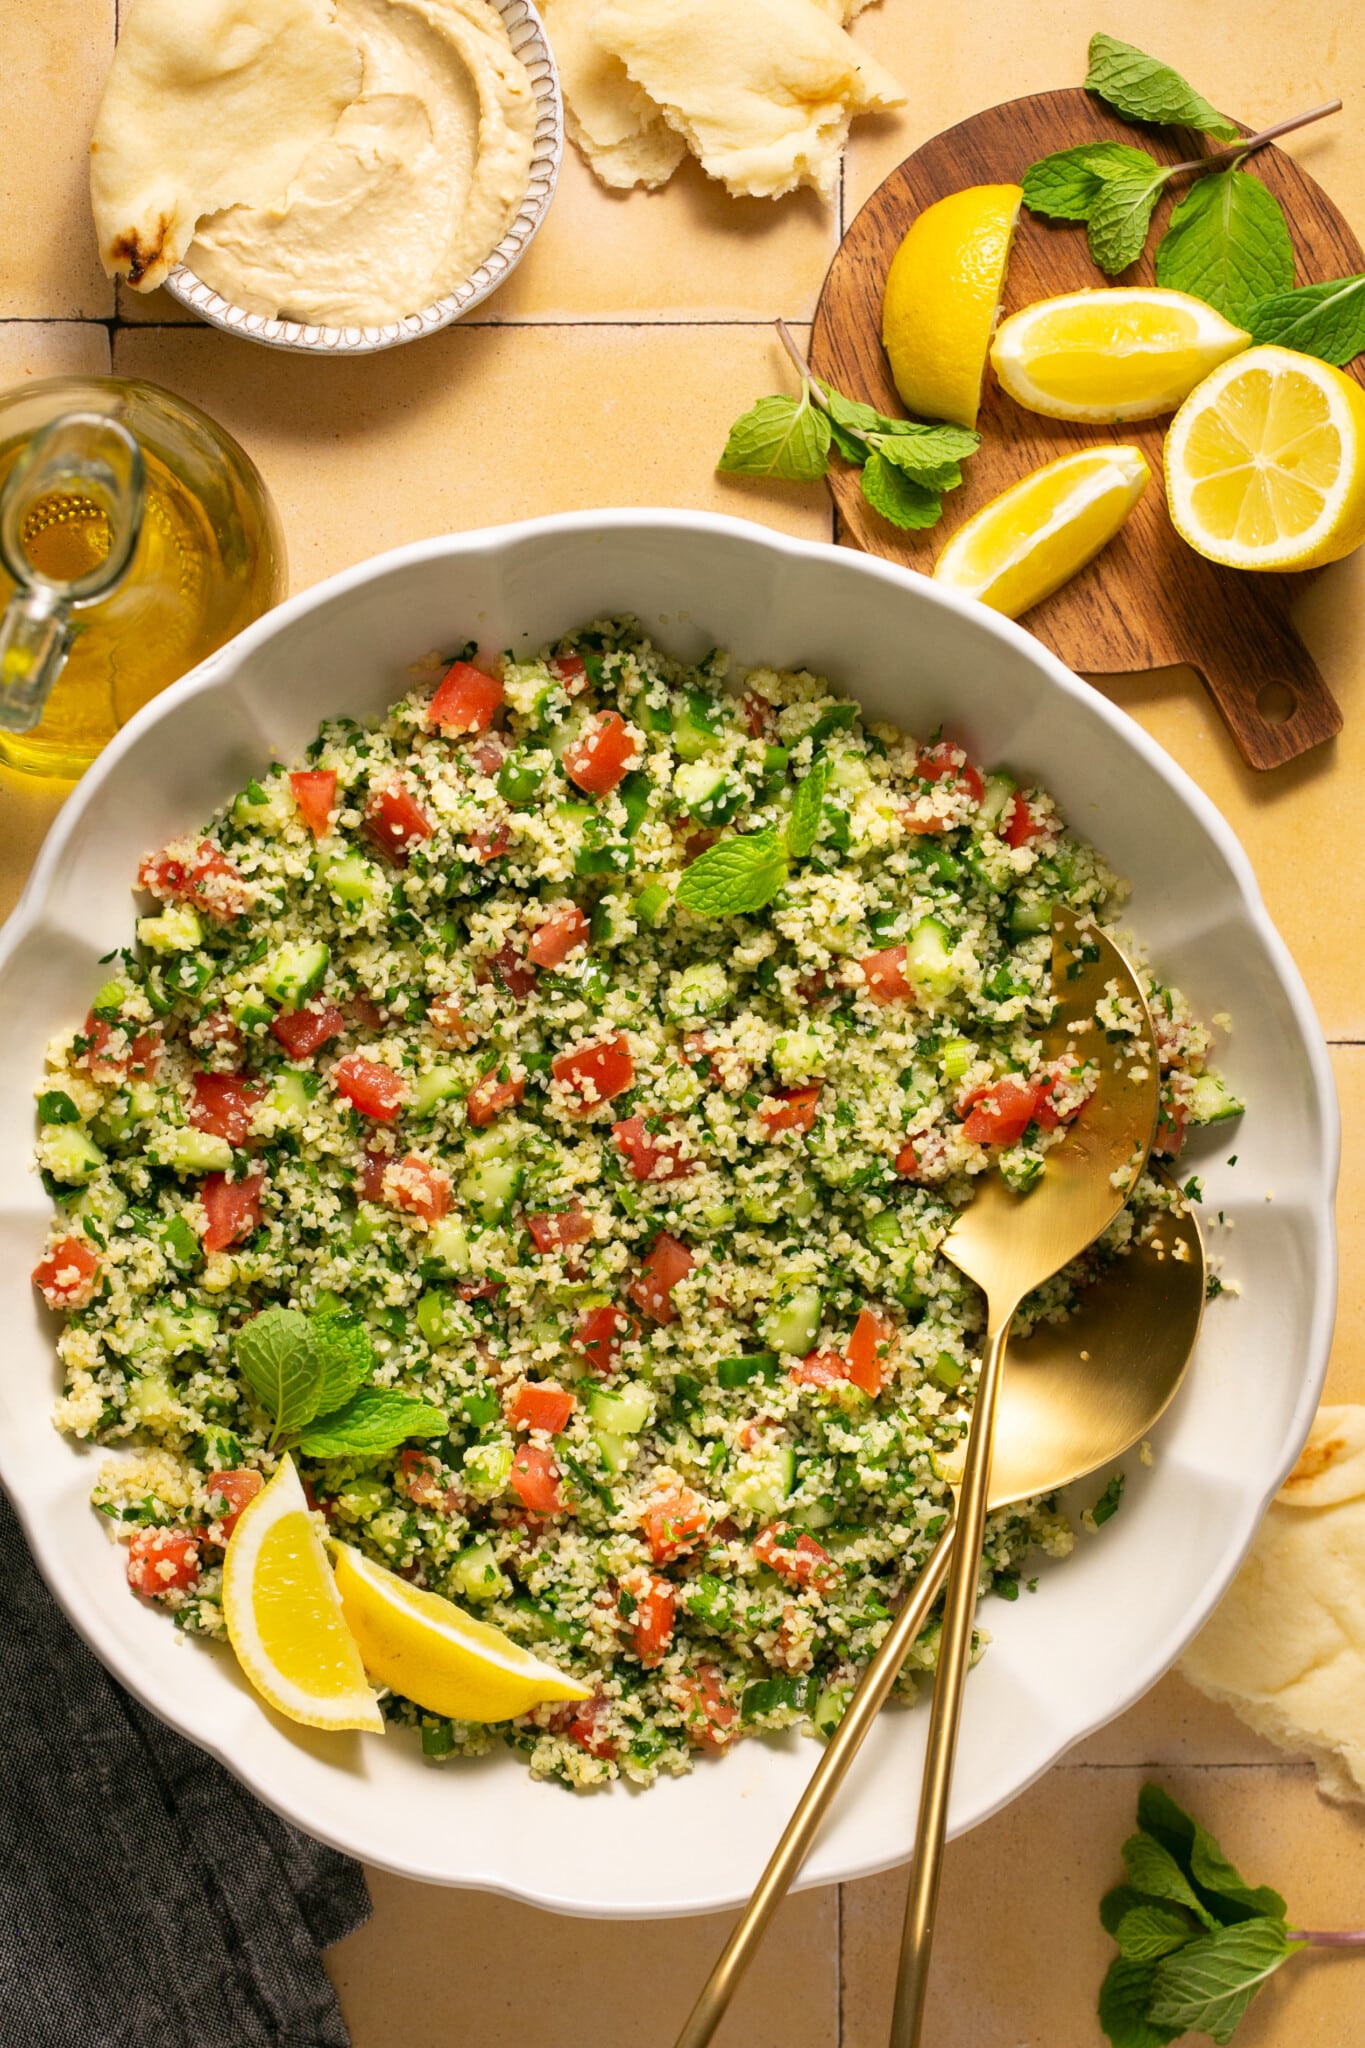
x=838 y=1966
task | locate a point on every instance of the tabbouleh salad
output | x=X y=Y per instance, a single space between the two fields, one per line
x=621 y=1215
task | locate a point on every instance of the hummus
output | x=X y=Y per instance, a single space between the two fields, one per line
x=414 y=181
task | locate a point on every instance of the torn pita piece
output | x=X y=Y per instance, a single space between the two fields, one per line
x=1286 y=1648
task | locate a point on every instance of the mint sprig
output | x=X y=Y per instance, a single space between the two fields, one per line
x=739 y=874
x=1228 y=244
x=1142 y=88
x=307 y=1373
x=1196 y=1941
x=906 y=465
x=803 y=824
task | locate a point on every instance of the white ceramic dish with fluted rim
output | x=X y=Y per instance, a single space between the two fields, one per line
x=529 y=42
x=1105 y=1623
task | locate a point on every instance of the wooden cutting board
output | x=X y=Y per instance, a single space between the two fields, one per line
x=1148 y=601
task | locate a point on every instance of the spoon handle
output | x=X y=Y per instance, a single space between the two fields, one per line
x=954 y=1660
x=791 y=1852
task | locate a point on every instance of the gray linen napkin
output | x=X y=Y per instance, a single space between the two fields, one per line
x=147 y=1900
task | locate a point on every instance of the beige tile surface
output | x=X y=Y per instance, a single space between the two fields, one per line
x=53 y=57
x=494 y=1972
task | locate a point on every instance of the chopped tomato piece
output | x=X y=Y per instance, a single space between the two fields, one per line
x=947 y=763
x=586 y=1726
x=203 y=876
x=1170 y=1129
x=561 y=934
x=315 y=793
x=885 y=975
x=865 y=1356
x=418 y=1478
x=234 y=1489
x=652 y=1292
x=1019 y=826
x=595 y=1073
x=535 y=1480
x=163 y=1561
x=113 y=1051
x=571 y=670
x=710 y=1715
x=1000 y=1115
x=466 y=700
x=490 y=841
x=232 y=1209
x=303 y=1032
x=802 y=1563
x=559 y=1230
x=700 y=842
x=672 y=1523
x=819 y=1369
x=601 y=754
x=375 y=1089
x=757 y=713
x=789 y=1109
x=363 y=1012
x=490 y=1096
x=601 y=1334
x=651 y=1623
x=65 y=1274
x=411 y=1184
x=224 y=1105
x=538 y=1405
x=651 y=1155
x=449 y=1022
x=509 y=969
x=395 y=822
x=908 y=1162
x=489 y=754
x=478 y=1290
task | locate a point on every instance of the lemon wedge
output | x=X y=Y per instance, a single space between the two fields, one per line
x=432 y=1652
x=1027 y=542
x=942 y=297
x=1126 y=354
x=1265 y=463
x=284 y=1616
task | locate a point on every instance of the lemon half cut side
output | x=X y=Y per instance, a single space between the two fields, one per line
x=1265 y=463
x=1129 y=353
x=425 y=1647
x=1034 y=537
x=942 y=297
x=284 y=1617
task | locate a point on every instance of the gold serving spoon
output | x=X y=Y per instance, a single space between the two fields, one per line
x=1095 y=1384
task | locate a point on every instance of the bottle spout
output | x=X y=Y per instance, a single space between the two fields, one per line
x=70 y=515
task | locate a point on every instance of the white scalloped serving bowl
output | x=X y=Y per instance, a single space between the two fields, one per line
x=528 y=39
x=1104 y=1624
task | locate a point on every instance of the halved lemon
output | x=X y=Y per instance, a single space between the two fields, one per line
x=284 y=1616
x=432 y=1652
x=942 y=297
x=1130 y=353
x=1265 y=463
x=1030 y=540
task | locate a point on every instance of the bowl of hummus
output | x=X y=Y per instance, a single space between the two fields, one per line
x=336 y=176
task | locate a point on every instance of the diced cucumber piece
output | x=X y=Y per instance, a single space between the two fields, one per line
x=701 y=990
x=708 y=1600
x=481 y=1407
x=760 y=1479
x=177 y=930
x=696 y=728
x=1212 y=1101
x=437 y=1085
x=185 y=1150
x=623 y=1410
x=1029 y=916
x=492 y=1177
x=109 y=1000
x=268 y=806
x=652 y=905
x=884 y=1231
x=929 y=957
x=102 y=1200
x=707 y=793
x=618 y=1452
x=829 y=1709
x=610 y=921
x=475 y=1575
x=487 y=1467
x=519 y=778
x=955 y=1055
x=168 y=1332
x=792 y=1325
x=448 y=1244
x=150 y=1400
x=434 y=1318
x=635 y=793
x=354 y=881
x=68 y=1154
x=291 y=1092
x=995 y=797
x=754 y=1365
x=798 y=1053
x=179 y=1243
x=947 y=1370
x=296 y=972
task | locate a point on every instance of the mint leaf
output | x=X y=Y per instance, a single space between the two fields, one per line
x=1208 y=1985
x=1323 y=320
x=1149 y=1932
x=1065 y=185
x=343 y=1344
x=1142 y=88
x=1227 y=243
x=1203 y=1861
x=929 y=455
x=738 y=874
x=803 y=826
x=1120 y=217
x=853 y=414
x=779 y=437
x=1123 y=2006
x=277 y=1357
x=1122 y=1899
x=1152 y=1869
x=1107 y=1506
x=374 y=1421
x=898 y=497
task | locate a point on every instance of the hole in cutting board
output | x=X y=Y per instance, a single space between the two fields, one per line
x=1277 y=703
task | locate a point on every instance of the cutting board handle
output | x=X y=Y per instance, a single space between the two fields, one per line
x=1267 y=686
